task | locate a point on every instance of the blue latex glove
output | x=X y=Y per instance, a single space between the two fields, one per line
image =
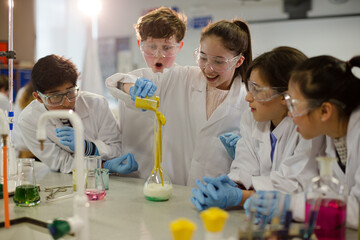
x=219 y=192
x=201 y=199
x=67 y=136
x=142 y=88
x=229 y=141
x=118 y=165
x=268 y=204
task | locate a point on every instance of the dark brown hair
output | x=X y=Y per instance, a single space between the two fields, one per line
x=235 y=36
x=276 y=66
x=53 y=71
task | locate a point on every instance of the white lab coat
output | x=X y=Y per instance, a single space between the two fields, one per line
x=291 y=168
x=191 y=145
x=324 y=146
x=99 y=127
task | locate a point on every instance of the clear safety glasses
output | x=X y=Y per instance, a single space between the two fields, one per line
x=263 y=94
x=57 y=99
x=166 y=50
x=298 y=108
x=217 y=64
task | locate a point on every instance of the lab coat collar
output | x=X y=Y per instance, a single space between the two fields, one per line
x=283 y=126
x=262 y=129
x=81 y=107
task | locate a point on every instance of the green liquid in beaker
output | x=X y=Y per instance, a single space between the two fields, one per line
x=26 y=195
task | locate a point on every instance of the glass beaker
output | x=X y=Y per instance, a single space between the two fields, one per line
x=95 y=188
x=26 y=191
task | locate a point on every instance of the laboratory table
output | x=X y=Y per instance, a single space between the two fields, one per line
x=124 y=213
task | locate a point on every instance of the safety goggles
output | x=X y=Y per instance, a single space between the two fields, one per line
x=217 y=64
x=166 y=50
x=263 y=94
x=298 y=108
x=57 y=99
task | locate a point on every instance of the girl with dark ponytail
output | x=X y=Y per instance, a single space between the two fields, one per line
x=324 y=101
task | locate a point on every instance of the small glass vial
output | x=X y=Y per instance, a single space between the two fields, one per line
x=325 y=207
x=26 y=191
x=95 y=188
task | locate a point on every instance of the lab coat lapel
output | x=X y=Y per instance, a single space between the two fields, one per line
x=222 y=111
x=198 y=100
x=262 y=134
x=281 y=131
x=82 y=108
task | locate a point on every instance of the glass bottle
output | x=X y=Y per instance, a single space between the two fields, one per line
x=95 y=188
x=158 y=186
x=325 y=207
x=26 y=191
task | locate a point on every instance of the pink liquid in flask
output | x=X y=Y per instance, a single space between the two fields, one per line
x=94 y=195
x=331 y=219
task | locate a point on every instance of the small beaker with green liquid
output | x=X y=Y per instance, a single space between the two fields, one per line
x=26 y=191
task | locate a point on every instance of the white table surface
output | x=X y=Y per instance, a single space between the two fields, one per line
x=124 y=213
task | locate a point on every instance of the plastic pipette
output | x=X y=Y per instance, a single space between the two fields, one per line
x=314 y=210
x=253 y=205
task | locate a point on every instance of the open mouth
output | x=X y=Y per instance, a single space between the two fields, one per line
x=158 y=65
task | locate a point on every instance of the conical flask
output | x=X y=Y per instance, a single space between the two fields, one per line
x=26 y=192
x=158 y=186
x=325 y=209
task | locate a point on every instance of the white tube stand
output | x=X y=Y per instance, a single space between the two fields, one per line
x=79 y=223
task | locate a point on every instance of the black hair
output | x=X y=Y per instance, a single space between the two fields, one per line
x=326 y=78
x=53 y=71
x=276 y=66
x=236 y=37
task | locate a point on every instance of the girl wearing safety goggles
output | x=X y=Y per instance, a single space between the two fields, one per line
x=324 y=102
x=271 y=154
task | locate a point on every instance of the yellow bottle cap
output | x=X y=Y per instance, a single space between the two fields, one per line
x=214 y=219
x=182 y=229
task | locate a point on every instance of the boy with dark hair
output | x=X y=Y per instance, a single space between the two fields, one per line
x=54 y=81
